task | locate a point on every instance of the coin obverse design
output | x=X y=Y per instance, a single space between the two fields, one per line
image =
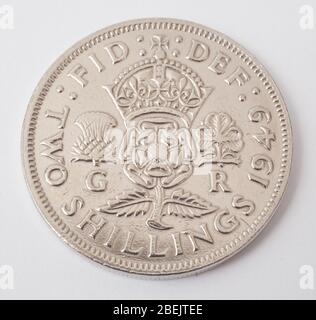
x=157 y=147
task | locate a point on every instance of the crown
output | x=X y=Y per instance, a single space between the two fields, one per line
x=159 y=85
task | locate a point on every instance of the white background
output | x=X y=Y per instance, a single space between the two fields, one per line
x=269 y=268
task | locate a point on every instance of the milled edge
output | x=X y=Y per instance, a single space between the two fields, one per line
x=152 y=268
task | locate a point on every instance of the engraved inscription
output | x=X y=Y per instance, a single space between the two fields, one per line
x=262 y=162
x=247 y=206
x=93 y=222
x=203 y=235
x=112 y=237
x=239 y=76
x=220 y=63
x=199 y=51
x=96 y=62
x=225 y=222
x=218 y=181
x=117 y=51
x=153 y=252
x=261 y=181
x=53 y=146
x=177 y=243
x=56 y=174
x=96 y=181
x=73 y=207
x=128 y=247
x=78 y=73
x=265 y=138
x=259 y=113
x=60 y=116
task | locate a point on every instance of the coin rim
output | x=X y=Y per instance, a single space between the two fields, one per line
x=149 y=268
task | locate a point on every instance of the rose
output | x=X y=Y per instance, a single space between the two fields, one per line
x=156 y=156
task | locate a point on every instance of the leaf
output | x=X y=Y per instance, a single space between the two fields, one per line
x=128 y=204
x=187 y=205
x=225 y=139
x=234 y=138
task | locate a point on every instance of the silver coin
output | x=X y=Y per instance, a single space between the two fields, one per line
x=157 y=147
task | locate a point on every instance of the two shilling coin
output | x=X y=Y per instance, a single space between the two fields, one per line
x=157 y=147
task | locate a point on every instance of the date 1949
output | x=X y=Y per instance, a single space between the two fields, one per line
x=160 y=309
